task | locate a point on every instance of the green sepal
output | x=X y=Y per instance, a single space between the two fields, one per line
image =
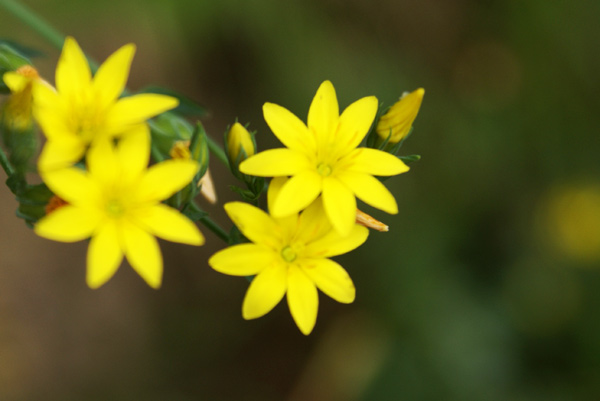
x=22 y=146
x=16 y=183
x=193 y=212
x=32 y=203
x=187 y=107
x=199 y=150
x=38 y=195
x=410 y=158
x=166 y=129
x=247 y=195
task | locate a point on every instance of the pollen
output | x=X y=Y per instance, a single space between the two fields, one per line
x=28 y=72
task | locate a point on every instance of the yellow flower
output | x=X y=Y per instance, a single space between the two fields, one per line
x=83 y=109
x=288 y=256
x=18 y=109
x=238 y=140
x=398 y=120
x=323 y=159
x=117 y=203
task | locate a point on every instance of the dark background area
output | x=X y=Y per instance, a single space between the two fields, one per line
x=486 y=287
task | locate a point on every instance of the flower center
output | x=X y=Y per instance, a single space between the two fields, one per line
x=288 y=254
x=114 y=208
x=324 y=169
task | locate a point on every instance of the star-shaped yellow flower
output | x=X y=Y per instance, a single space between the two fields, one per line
x=83 y=109
x=116 y=202
x=323 y=159
x=288 y=256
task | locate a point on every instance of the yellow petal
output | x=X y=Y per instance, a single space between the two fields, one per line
x=355 y=122
x=102 y=162
x=275 y=163
x=297 y=193
x=104 y=255
x=313 y=223
x=243 y=260
x=54 y=124
x=340 y=205
x=143 y=253
x=274 y=188
x=289 y=129
x=265 y=291
x=370 y=190
x=111 y=77
x=333 y=244
x=73 y=185
x=73 y=73
x=255 y=224
x=58 y=154
x=133 y=152
x=303 y=300
x=374 y=162
x=136 y=109
x=166 y=178
x=67 y=224
x=324 y=113
x=15 y=82
x=331 y=278
x=168 y=223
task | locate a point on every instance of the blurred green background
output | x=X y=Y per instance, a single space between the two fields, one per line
x=487 y=286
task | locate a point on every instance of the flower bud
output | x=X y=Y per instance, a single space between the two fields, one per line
x=240 y=144
x=17 y=111
x=397 y=121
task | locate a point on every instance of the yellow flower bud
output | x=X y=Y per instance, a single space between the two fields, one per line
x=17 y=111
x=399 y=118
x=239 y=138
x=181 y=150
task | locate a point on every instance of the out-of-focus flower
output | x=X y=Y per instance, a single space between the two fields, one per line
x=117 y=203
x=84 y=110
x=572 y=221
x=288 y=256
x=17 y=112
x=398 y=120
x=323 y=159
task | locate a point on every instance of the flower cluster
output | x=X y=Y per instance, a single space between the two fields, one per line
x=97 y=183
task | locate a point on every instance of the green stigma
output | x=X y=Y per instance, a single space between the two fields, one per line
x=288 y=254
x=324 y=169
x=114 y=208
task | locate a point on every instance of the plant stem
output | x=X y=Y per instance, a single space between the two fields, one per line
x=215 y=228
x=8 y=168
x=30 y=18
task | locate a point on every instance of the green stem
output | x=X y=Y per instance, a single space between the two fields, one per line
x=217 y=150
x=8 y=168
x=30 y=18
x=215 y=228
